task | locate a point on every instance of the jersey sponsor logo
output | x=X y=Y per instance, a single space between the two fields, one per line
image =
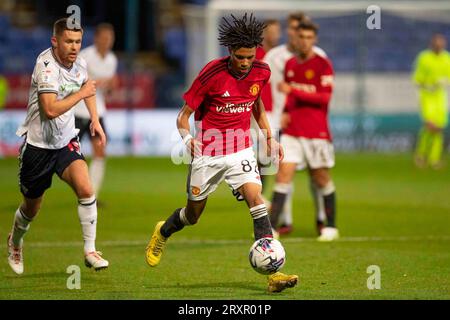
x=195 y=191
x=309 y=74
x=236 y=108
x=254 y=89
x=46 y=62
x=74 y=87
x=290 y=73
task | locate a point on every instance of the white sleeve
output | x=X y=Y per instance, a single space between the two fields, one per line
x=115 y=64
x=46 y=77
x=319 y=51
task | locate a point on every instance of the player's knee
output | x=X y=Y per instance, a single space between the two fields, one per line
x=193 y=219
x=31 y=209
x=328 y=188
x=321 y=179
x=193 y=215
x=85 y=191
x=255 y=200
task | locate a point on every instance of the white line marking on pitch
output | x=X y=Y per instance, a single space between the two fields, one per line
x=125 y=243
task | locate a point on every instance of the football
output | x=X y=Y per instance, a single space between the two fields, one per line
x=267 y=255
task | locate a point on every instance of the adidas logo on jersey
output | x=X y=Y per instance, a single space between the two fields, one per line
x=226 y=94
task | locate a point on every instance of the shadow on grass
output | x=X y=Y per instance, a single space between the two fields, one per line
x=258 y=289
x=37 y=275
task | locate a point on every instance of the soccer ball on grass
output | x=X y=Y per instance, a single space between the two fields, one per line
x=267 y=255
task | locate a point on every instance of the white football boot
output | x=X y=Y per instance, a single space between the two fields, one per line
x=328 y=234
x=15 y=256
x=94 y=260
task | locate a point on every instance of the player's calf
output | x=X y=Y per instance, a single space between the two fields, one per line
x=280 y=193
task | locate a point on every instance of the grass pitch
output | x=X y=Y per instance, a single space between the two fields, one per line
x=390 y=214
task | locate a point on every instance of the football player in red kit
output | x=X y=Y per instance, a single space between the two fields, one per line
x=223 y=98
x=307 y=139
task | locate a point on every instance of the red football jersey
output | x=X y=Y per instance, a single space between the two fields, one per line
x=223 y=102
x=307 y=104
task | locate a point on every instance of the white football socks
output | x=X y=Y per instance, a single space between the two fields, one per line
x=20 y=227
x=87 y=212
x=285 y=217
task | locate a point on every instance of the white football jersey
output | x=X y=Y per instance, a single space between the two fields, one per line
x=276 y=58
x=98 y=68
x=49 y=76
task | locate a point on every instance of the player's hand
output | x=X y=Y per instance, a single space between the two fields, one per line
x=285 y=120
x=284 y=87
x=97 y=130
x=275 y=150
x=88 y=89
x=432 y=127
x=194 y=147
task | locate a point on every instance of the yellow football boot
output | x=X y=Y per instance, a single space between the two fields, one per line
x=280 y=281
x=155 y=247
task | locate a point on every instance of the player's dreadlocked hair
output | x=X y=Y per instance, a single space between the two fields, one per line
x=245 y=32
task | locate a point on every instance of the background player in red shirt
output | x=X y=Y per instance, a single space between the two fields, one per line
x=307 y=138
x=223 y=98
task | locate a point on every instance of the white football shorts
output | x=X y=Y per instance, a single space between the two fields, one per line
x=207 y=172
x=311 y=153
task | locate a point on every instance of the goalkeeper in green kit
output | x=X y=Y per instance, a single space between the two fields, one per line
x=432 y=75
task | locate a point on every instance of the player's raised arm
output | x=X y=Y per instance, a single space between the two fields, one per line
x=53 y=108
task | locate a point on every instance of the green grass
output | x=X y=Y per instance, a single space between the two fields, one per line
x=390 y=214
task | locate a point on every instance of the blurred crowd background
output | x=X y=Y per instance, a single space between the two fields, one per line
x=161 y=46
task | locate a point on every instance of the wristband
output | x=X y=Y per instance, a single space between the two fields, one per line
x=187 y=138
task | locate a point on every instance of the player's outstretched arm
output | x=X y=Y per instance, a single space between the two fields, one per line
x=53 y=108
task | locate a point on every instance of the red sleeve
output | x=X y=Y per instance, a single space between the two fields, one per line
x=196 y=94
x=289 y=103
x=324 y=89
x=266 y=96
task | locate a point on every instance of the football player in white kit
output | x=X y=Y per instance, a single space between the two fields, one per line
x=58 y=83
x=102 y=67
x=276 y=58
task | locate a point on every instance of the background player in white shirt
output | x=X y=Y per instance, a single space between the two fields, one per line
x=276 y=58
x=101 y=67
x=59 y=81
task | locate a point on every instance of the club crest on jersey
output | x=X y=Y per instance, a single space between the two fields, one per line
x=254 y=89
x=309 y=74
x=195 y=191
